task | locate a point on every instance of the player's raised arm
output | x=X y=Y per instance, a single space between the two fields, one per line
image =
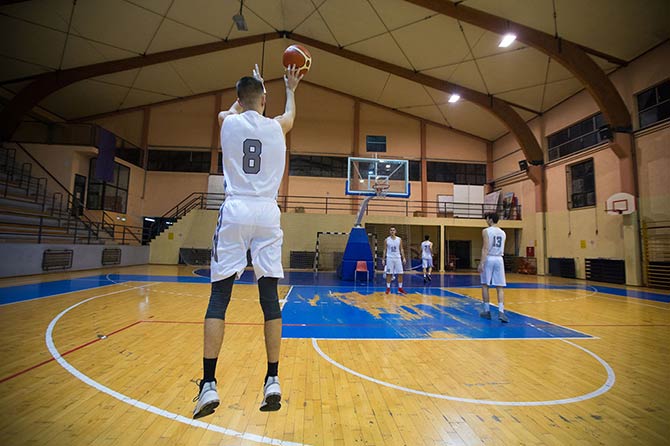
x=237 y=108
x=234 y=109
x=291 y=79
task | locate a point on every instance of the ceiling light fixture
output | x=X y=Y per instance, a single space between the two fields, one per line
x=454 y=98
x=507 y=40
x=239 y=19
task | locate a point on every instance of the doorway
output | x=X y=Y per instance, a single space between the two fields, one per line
x=460 y=254
x=79 y=193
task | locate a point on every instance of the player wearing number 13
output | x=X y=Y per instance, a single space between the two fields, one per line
x=254 y=153
x=491 y=266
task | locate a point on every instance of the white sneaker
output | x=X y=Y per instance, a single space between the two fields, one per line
x=208 y=400
x=272 y=399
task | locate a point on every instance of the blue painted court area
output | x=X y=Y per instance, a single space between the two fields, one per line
x=35 y=291
x=369 y=313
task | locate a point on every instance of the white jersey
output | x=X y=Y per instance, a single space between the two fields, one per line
x=254 y=155
x=496 y=239
x=427 y=249
x=393 y=248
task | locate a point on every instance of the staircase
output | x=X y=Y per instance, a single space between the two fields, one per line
x=36 y=210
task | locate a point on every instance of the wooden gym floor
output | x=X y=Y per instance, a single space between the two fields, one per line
x=110 y=357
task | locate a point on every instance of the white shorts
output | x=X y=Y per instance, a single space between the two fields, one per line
x=427 y=263
x=394 y=266
x=493 y=272
x=247 y=224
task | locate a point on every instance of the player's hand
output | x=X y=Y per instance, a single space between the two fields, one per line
x=480 y=268
x=257 y=75
x=292 y=77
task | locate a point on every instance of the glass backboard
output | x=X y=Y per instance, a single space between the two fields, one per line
x=366 y=175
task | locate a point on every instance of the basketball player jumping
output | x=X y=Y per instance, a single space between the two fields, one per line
x=491 y=266
x=254 y=152
x=393 y=259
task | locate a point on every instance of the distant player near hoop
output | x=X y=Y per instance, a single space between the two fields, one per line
x=427 y=258
x=393 y=259
x=491 y=266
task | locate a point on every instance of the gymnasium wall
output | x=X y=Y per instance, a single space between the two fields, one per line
x=324 y=125
x=653 y=157
x=590 y=232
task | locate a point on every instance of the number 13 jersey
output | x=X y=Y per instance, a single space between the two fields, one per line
x=254 y=155
x=496 y=238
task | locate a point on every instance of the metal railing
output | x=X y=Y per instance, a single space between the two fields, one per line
x=340 y=205
x=56 y=217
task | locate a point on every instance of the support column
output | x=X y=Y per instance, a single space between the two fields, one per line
x=624 y=147
x=443 y=247
x=632 y=249
x=538 y=177
x=356 y=149
x=424 y=171
x=146 y=119
x=214 y=142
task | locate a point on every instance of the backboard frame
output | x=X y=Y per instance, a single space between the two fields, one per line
x=361 y=182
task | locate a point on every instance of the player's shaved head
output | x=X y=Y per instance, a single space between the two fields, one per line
x=249 y=90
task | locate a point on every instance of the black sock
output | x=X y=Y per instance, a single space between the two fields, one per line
x=272 y=369
x=209 y=367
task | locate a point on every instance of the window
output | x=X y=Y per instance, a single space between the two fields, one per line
x=415 y=170
x=318 y=166
x=457 y=173
x=179 y=160
x=577 y=137
x=106 y=196
x=653 y=104
x=581 y=185
x=375 y=143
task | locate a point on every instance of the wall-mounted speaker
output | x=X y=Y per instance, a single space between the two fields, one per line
x=605 y=133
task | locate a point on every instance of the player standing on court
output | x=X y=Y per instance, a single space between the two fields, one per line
x=393 y=259
x=427 y=258
x=491 y=266
x=254 y=152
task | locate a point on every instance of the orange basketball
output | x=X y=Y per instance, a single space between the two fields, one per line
x=299 y=56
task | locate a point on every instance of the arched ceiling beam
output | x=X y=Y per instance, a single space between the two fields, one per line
x=567 y=53
x=498 y=107
x=45 y=84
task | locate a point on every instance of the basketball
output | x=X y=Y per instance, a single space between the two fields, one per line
x=299 y=56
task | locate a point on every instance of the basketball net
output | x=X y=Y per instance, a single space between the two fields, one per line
x=381 y=187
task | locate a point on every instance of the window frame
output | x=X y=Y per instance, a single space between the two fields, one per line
x=597 y=120
x=657 y=104
x=203 y=165
x=570 y=184
x=95 y=185
x=318 y=166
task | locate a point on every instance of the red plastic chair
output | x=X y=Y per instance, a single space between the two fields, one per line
x=362 y=266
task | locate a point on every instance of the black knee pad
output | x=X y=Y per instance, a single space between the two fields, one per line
x=220 y=298
x=267 y=290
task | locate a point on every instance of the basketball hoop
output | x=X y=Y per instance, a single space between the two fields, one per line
x=620 y=204
x=381 y=186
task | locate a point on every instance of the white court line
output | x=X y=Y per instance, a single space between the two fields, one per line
x=611 y=378
x=284 y=301
x=139 y=404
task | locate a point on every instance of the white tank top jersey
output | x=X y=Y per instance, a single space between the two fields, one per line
x=425 y=250
x=496 y=238
x=254 y=155
x=393 y=248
